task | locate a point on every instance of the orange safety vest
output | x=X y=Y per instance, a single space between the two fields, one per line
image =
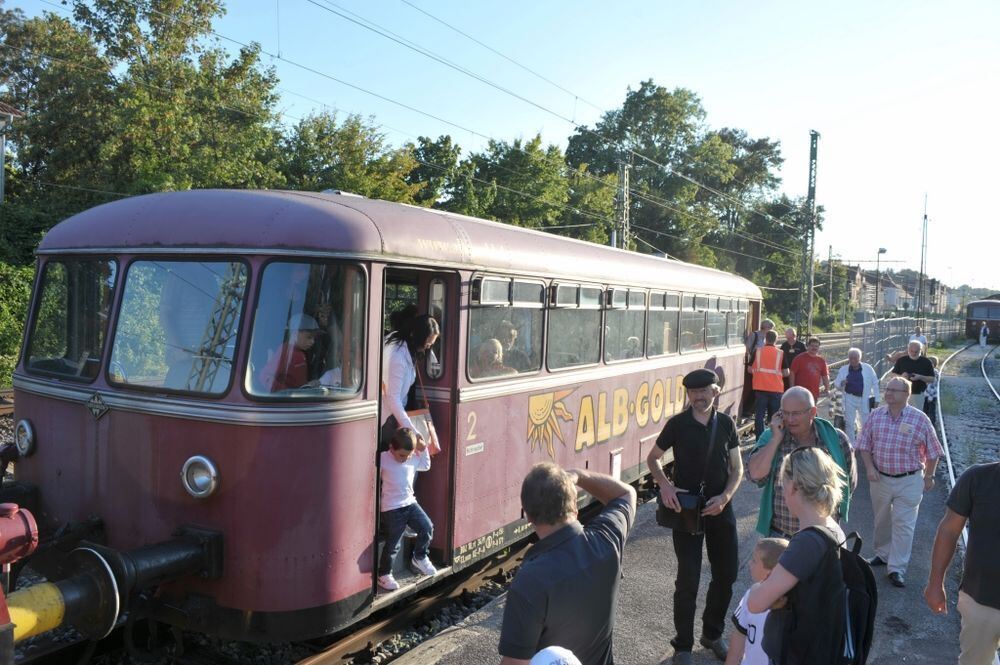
x=767 y=370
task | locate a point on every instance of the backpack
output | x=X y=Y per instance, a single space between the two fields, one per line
x=830 y=616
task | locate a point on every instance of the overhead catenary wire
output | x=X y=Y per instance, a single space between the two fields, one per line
x=307 y=68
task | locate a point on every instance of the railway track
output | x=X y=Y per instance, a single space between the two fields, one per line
x=961 y=457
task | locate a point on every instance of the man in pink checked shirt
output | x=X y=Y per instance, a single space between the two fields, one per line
x=900 y=451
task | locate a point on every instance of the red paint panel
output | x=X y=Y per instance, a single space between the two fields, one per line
x=295 y=504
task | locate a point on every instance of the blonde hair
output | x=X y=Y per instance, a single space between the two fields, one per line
x=769 y=550
x=816 y=476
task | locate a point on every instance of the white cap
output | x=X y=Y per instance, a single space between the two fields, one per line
x=555 y=656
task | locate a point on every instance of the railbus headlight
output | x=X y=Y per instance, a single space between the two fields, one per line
x=24 y=438
x=200 y=477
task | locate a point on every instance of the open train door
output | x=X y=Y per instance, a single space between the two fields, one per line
x=753 y=323
x=434 y=293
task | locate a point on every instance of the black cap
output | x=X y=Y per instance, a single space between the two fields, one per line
x=700 y=378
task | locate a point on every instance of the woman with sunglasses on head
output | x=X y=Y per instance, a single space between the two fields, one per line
x=812 y=485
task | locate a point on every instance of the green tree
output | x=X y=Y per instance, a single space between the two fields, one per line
x=520 y=183
x=15 y=291
x=436 y=169
x=350 y=156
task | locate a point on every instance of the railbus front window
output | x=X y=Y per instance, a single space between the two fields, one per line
x=505 y=327
x=178 y=325
x=73 y=303
x=308 y=331
x=574 y=326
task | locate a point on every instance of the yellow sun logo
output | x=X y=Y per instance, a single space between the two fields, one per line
x=543 y=424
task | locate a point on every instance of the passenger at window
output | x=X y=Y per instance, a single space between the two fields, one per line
x=506 y=333
x=489 y=361
x=288 y=368
x=632 y=348
x=411 y=339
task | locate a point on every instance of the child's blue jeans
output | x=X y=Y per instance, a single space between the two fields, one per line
x=394 y=523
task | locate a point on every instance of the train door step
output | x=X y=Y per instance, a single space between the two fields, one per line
x=409 y=584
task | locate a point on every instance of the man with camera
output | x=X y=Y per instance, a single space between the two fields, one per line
x=695 y=502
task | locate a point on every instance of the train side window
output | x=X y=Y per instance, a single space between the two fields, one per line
x=980 y=312
x=436 y=308
x=715 y=323
x=663 y=313
x=505 y=331
x=624 y=324
x=574 y=326
x=692 y=325
x=71 y=318
x=178 y=325
x=738 y=323
x=308 y=331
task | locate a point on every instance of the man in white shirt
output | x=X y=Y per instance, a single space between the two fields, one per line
x=859 y=384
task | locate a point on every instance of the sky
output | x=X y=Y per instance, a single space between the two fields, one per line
x=903 y=93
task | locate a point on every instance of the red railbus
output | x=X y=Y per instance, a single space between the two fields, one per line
x=147 y=414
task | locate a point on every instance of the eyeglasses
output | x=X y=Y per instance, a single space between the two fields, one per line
x=896 y=390
x=797 y=414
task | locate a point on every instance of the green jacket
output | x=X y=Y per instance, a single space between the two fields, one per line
x=828 y=435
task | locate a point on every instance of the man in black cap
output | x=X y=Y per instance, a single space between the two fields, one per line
x=707 y=459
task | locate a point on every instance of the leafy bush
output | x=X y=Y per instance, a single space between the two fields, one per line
x=15 y=291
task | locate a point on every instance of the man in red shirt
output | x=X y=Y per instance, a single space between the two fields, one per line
x=809 y=368
x=288 y=368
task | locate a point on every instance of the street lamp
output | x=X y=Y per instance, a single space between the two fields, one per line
x=878 y=276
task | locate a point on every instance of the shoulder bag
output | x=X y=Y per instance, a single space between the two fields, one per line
x=689 y=519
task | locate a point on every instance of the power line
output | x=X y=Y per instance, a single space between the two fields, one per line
x=505 y=57
x=381 y=31
x=705 y=244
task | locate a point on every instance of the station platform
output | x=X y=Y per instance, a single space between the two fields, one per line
x=905 y=630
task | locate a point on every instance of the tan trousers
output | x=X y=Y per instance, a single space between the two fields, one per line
x=980 y=636
x=896 y=502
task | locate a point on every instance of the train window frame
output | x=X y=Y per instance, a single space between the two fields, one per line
x=329 y=396
x=435 y=363
x=595 y=304
x=689 y=303
x=237 y=360
x=713 y=312
x=38 y=291
x=619 y=305
x=513 y=302
x=671 y=302
x=479 y=286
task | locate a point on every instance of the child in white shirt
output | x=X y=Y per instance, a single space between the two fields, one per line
x=399 y=466
x=746 y=646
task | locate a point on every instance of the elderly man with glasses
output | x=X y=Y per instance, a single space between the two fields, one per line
x=795 y=426
x=900 y=451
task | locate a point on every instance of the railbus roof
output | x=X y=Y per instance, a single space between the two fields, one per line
x=329 y=223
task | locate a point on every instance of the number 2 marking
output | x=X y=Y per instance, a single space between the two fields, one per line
x=472 y=426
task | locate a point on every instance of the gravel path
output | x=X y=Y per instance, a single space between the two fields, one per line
x=971 y=412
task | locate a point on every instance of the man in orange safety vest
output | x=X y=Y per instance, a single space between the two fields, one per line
x=768 y=371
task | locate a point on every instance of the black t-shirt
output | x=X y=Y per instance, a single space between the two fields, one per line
x=922 y=366
x=977 y=496
x=689 y=440
x=791 y=351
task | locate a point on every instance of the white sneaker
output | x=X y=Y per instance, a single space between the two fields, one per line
x=424 y=566
x=388 y=582
x=409 y=533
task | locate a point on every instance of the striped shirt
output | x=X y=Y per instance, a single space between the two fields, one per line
x=899 y=445
x=782 y=519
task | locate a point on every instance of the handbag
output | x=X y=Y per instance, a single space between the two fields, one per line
x=433 y=446
x=689 y=519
